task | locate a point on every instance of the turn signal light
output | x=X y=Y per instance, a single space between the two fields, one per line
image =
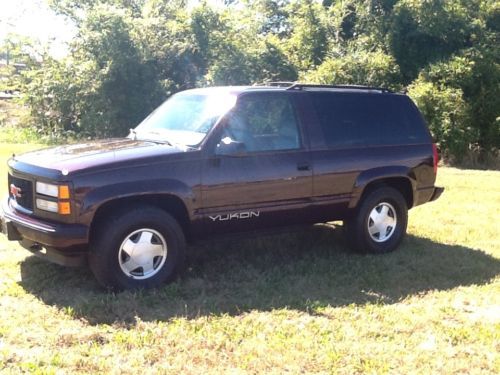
x=64 y=208
x=63 y=192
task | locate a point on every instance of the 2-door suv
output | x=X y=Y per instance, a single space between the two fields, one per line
x=224 y=160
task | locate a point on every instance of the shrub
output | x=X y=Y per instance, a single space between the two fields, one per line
x=360 y=67
x=445 y=112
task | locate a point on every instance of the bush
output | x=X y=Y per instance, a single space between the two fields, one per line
x=360 y=68
x=446 y=114
x=476 y=74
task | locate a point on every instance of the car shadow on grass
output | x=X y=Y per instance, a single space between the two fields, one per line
x=304 y=270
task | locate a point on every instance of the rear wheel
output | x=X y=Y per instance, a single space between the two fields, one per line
x=379 y=223
x=139 y=248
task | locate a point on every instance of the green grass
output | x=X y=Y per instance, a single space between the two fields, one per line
x=287 y=303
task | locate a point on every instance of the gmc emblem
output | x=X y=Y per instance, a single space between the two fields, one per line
x=16 y=191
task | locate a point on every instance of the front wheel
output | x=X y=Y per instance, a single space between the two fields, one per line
x=142 y=247
x=379 y=223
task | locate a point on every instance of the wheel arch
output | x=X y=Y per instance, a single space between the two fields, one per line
x=399 y=178
x=167 y=202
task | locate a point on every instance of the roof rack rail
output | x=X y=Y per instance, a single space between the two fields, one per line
x=300 y=86
x=275 y=84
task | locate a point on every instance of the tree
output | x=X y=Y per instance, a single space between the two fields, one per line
x=103 y=88
x=358 y=68
x=19 y=53
x=445 y=112
x=129 y=55
x=307 y=44
x=425 y=31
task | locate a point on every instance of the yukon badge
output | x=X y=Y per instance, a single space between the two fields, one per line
x=236 y=215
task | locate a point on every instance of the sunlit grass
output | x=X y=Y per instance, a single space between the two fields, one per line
x=298 y=303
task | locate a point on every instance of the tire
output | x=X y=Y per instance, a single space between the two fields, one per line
x=379 y=223
x=143 y=247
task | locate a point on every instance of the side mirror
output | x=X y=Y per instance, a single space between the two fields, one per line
x=229 y=147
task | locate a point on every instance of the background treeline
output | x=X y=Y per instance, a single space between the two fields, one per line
x=129 y=55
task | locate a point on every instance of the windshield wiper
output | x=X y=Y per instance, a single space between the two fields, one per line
x=150 y=132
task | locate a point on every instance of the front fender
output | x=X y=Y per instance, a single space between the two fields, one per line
x=378 y=174
x=165 y=186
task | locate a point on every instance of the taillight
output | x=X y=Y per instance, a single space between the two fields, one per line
x=435 y=157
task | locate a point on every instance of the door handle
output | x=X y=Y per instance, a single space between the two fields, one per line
x=303 y=166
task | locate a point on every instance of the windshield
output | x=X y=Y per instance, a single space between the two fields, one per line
x=185 y=118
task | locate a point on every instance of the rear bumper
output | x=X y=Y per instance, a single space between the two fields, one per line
x=437 y=193
x=59 y=240
x=427 y=194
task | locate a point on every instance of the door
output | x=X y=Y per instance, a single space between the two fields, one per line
x=259 y=173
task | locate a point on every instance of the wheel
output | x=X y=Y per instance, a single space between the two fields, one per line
x=379 y=223
x=142 y=247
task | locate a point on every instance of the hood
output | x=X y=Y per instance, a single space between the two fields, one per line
x=71 y=158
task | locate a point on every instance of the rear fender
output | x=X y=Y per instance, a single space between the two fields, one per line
x=374 y=175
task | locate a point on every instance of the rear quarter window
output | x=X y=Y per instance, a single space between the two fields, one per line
x=363 y=119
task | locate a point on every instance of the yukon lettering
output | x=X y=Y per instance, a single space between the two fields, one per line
x=236 y=215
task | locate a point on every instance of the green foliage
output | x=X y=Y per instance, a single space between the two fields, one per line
x=18 y=53
x=102 y=89
x=122 y=88
x=307 y=44
x=424 y=31
x=477 y=75
x=50 y=98
x=358 y=68
x=129 y=55
x=8 y=79
x=445 y=112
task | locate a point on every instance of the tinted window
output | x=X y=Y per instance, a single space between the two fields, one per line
x=263 y=122
x=354 y=119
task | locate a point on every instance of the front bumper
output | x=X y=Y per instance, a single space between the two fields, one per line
x=62 y=243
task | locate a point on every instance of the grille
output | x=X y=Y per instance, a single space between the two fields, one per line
x=26 y=186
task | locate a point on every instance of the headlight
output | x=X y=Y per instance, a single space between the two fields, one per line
x=56 y=191
x=62 y=206
x=47 y=189
x=46 y=205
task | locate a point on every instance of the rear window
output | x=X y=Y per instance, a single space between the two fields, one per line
x=355 y=119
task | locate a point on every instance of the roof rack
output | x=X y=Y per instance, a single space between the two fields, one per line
x=300 y=86
x=275 y=84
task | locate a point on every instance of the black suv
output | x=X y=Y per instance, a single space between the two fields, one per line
x=225 y=160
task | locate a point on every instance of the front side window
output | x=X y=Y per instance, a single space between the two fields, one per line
x=262 y=122
x=185 y=118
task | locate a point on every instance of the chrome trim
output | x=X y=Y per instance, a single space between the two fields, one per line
x=20 y=208
x=16 y=219
x=6 y=208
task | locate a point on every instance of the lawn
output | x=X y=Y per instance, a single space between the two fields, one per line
x=296 y=303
